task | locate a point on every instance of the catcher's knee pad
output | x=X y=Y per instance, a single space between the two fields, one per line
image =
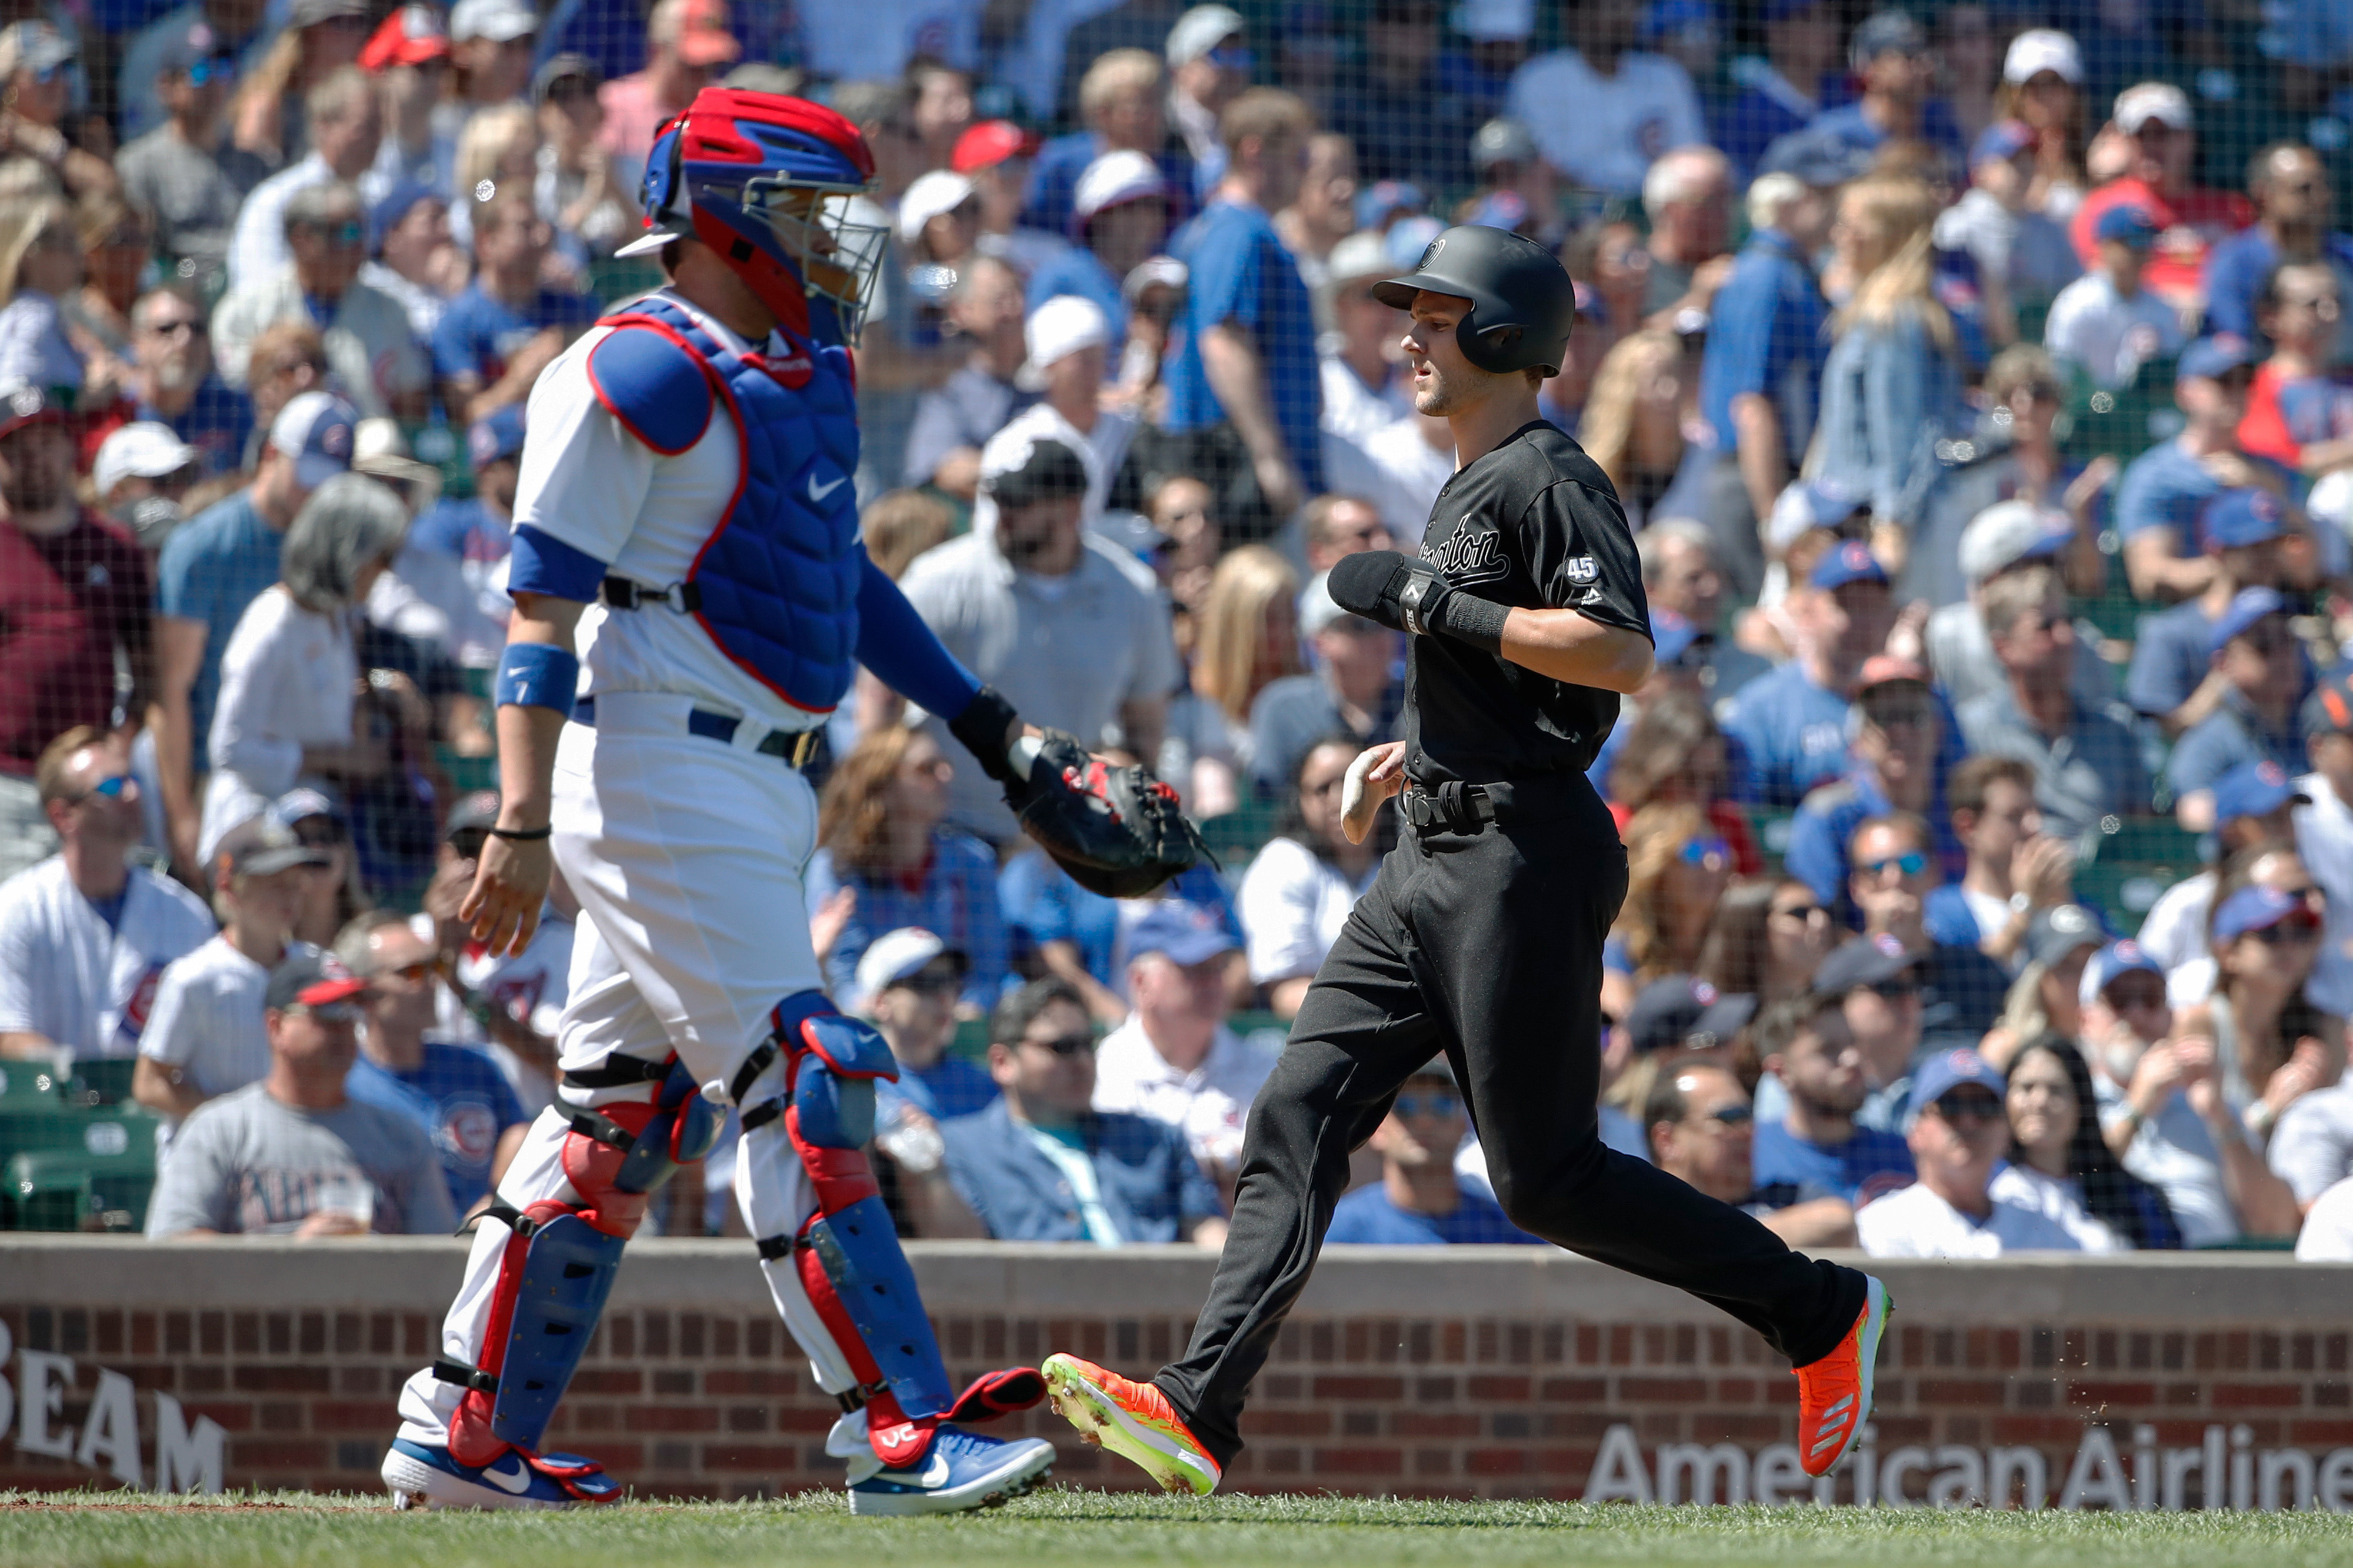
x=560 y=1258
x=845 y=1255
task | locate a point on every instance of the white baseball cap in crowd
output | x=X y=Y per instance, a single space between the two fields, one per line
x=2137 y=105
x=142 y=449
x=938 y=192
x=315 y=429
x=895 y=955
x=2040 y=49
x=1055 y=331
x=500 y=21
x=1201 y=30
x=1494 y=21
x=1123 y=176
x=1363 y=254
x=2007 y=533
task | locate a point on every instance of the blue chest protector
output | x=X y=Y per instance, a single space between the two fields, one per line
x=775 y=586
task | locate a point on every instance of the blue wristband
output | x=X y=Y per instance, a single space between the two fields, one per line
x=537 y=675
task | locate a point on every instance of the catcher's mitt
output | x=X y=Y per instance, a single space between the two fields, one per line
x=1118 y=831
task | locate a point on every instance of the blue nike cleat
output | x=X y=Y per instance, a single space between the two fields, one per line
x=960 y=1470
x=423 y=1477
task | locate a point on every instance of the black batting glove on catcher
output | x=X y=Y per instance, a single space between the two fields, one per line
x=1408 y=595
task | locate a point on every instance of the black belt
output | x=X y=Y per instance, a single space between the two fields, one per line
x=627 y=593
x=1456 y=806
x=792 y=747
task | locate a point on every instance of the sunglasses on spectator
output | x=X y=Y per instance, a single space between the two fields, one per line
x=1734 y=1115
x=192 y=326
x=220 y=68
x=1066 y=1045
x=930 y=983
x=1911 y=863
x=1962 y=1109
x=347 y=235
x=1709 y=852
x=1434 y=1103
x=2238 y=380
x=2298 y=927
x=113 y=787
x=1894 y=990
x=1802 y=914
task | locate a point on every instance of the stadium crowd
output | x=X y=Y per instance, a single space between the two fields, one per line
x=1975 y=381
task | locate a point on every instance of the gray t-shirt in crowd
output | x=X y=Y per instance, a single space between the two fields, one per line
x=2312 y=1147
x=249 y=1165
x=2174 y=1152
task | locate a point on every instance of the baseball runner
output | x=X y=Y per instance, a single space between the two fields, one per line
x=685 y=517
x=1481 y=936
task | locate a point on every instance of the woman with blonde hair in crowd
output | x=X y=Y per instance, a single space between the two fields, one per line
x=1633 y=421
x=500 y=146
x=1892 y=379
x=1677 y=868
x=40 y=268
x=1245 y=636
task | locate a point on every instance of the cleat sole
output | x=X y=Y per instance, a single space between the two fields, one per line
x=1103 y=1424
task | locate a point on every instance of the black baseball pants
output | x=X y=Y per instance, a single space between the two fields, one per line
x=1486 y=946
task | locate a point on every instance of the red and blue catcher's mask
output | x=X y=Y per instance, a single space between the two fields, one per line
x=768 y=182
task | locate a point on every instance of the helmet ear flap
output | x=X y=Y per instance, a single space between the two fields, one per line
x=1489 y=348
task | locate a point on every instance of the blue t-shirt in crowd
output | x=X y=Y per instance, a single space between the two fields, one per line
x=1848 y=126
x=1041 y=904
x=1242 y=275
x=949 y=1087
x=2166 y=487
x=1790 y=1170
x=1368 y=1216
x=1765 y=336
x=218 y=421
x=955 y=899
x=1793 y=731
x=2235 y=270
x=1824 y=826
x=1148 y=1186
x=1077 y=270
x=213 y=567
x=2231 y=736
x=459 y=1099
x=478 y=333
x=2171 y=656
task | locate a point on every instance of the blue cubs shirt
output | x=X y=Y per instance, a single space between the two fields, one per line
x=461 y=1101
x=1367 y=1217
x=1787 y=1170
x=478 y=334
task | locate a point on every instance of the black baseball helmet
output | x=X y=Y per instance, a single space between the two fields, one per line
x=1523 y=304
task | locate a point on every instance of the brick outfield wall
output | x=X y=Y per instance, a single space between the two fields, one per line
x=1390 y=1379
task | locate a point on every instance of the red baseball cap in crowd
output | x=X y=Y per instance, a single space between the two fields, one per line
x=989 y=143
x=412 y=36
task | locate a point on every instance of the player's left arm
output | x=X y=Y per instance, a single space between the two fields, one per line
x=1596 y=631
x=907 y=655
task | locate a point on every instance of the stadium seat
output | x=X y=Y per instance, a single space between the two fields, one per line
x=60 y=1190
x=28 y=1085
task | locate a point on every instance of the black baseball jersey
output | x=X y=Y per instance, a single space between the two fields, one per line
x=1534 y=524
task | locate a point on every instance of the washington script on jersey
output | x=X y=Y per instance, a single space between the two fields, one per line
x=1468 y=555
x=2224 y=1470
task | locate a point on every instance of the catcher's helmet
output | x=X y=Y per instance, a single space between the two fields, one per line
x=1523 y=304
x=769 y=182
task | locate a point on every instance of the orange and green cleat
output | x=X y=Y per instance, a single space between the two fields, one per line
x=1835 y=1393
x=1133 y=1420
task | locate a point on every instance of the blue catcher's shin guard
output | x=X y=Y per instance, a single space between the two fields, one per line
x=847 y=1254
x=561 y=1259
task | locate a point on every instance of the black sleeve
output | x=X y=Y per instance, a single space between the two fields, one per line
x=1581 y=555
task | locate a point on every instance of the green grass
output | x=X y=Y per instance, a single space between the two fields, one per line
x=1056 y=1528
